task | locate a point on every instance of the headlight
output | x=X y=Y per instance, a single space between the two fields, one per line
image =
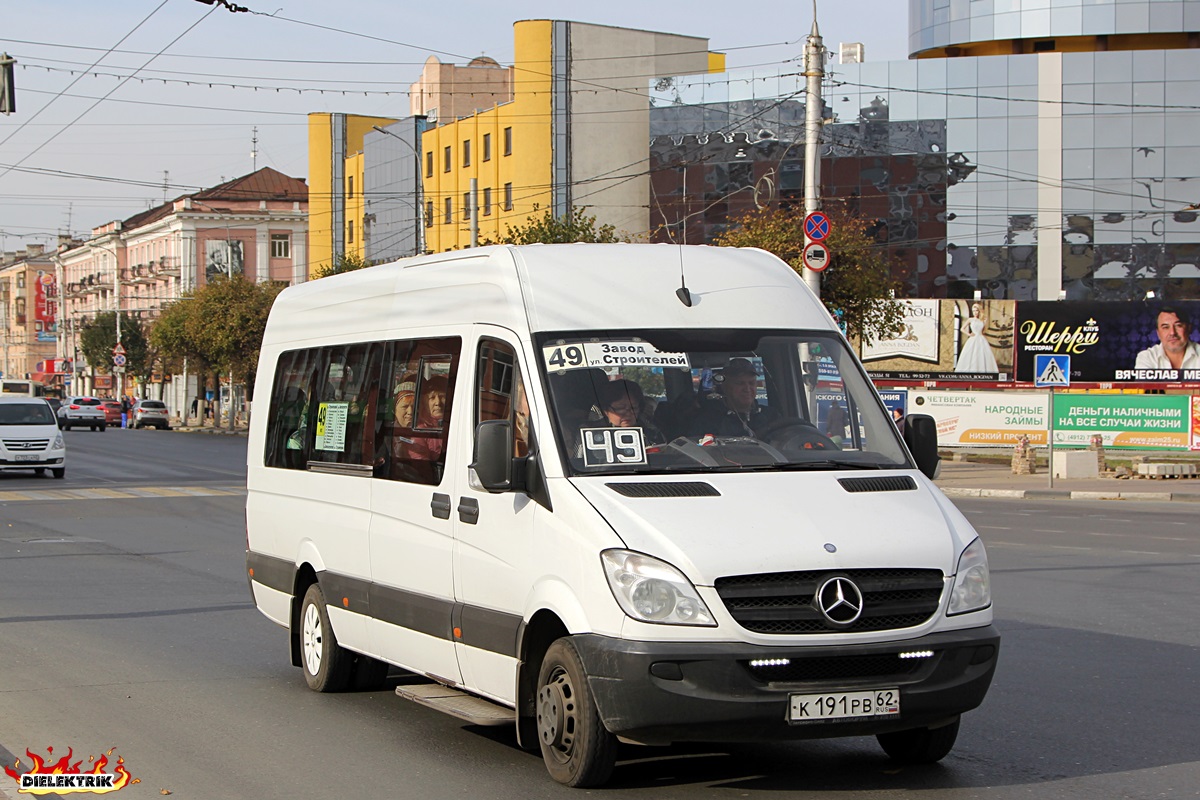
x=58 y=442
x=972 y=583
x=650 y=590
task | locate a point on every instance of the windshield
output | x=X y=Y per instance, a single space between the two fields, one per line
x=659 y=401
x=34 y=413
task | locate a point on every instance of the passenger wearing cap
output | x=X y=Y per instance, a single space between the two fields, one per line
x=735 y=410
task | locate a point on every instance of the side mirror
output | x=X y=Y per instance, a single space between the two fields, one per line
x=492 y=460
x=920 y=434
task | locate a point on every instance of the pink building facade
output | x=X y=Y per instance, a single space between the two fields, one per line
x=255 y=226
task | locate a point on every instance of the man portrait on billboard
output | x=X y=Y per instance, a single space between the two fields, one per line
x=1175 y=350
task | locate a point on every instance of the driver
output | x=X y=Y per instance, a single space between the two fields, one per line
x=735 y=411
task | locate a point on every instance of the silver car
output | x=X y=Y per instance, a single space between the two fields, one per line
x=151 y=412
x=76 y=412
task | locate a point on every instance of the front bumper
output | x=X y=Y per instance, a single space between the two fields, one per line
x=52 y=459
x=661 y=692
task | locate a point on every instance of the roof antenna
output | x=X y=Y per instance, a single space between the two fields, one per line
x=682 y=292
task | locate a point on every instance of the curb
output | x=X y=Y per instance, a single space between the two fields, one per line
x=1056 y=494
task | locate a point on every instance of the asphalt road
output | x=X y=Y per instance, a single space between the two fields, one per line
x=126 y=622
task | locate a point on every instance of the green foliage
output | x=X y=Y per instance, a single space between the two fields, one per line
x=98 y=337
x=219 y=326
x=548 y=229
x=343 y=262
x=858 y=281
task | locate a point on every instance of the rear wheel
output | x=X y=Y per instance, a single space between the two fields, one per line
x=59 y=473
x=66 y=426
x=103 y=425
x=327 y=666
x=576 y=747
x=919 y=745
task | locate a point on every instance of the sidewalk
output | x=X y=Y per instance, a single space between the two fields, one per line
x=974 y=479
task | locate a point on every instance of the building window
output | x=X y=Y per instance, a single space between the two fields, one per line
x=428 y=213
x=447 y=159
x=487 y=202
x=349 y=186
x=281 y=245
x=429 y=164
x=487 y=147
x=350 y=231
x=508 y=141
x=508 y=197
x=449 y=211
x=466 y=152
x=466 y=205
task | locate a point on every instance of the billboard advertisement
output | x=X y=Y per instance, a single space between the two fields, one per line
x=45 y=307
x=984 y=418
x=947 y=340
x=1112 y=342
x=1139 y=421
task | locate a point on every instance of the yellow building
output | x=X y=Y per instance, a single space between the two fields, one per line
x=575 y=133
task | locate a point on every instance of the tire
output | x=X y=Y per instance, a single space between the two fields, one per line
x=327 y=666
x=66 y=427
x=919 y=745
x=59 y=473
x=39 y=470
x=576 y=747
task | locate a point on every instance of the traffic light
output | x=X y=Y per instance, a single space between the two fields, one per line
x=8 y=85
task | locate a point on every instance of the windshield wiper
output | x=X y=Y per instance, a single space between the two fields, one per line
x=836 y=463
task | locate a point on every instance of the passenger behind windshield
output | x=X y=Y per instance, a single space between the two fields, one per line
x=734 y=409
x=624 y=406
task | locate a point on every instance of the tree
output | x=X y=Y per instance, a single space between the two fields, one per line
x=549 y=229
x=98 y=337
x=218 y=327
x=858 y=282
x=343 y=262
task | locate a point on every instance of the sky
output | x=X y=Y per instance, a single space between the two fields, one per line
x=122 y=104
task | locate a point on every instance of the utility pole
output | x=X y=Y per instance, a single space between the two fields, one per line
x=814 y=72
x=254 y=149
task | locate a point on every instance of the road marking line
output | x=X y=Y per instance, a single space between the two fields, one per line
x=130 y=493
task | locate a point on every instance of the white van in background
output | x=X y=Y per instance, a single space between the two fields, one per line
x=602 y=492
x=30 y=437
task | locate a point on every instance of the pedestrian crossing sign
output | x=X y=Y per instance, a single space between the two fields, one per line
x=1051 y=370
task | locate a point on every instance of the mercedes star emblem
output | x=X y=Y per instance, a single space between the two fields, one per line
x=839 y=601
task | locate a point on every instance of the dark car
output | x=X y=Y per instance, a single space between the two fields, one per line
x=151 y=413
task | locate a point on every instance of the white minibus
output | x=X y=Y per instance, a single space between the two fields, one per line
x=603 y=493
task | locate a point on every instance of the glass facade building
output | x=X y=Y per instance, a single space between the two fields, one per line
x=1041 y=168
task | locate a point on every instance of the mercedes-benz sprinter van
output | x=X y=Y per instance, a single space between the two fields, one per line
x=602 y=493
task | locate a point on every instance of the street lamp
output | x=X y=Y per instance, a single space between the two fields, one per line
x=420 y=187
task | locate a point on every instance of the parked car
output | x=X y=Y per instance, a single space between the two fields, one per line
x=30 y=438
x=151 y=412
x=82 y=412
x=112 y=410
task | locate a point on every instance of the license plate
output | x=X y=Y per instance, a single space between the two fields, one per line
x=844 y=705
x=27 y=457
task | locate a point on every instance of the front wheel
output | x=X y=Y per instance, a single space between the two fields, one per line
x=919 y=745
x=576 y=747
x=327 y=667
x=59 y=473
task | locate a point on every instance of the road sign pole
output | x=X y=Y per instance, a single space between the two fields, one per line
x=1050 y=441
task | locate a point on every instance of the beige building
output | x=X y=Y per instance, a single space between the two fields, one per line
x=446 y=92
x=28 y=314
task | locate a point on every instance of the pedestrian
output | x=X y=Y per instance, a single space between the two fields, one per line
x=125 y=411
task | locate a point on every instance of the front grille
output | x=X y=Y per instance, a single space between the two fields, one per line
x=838 y=668
x=782 y=602
x=20 y=445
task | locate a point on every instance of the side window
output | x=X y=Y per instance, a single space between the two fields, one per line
x=347 y=404
x=415 y=402
x=288 y=440
x=500 y=392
